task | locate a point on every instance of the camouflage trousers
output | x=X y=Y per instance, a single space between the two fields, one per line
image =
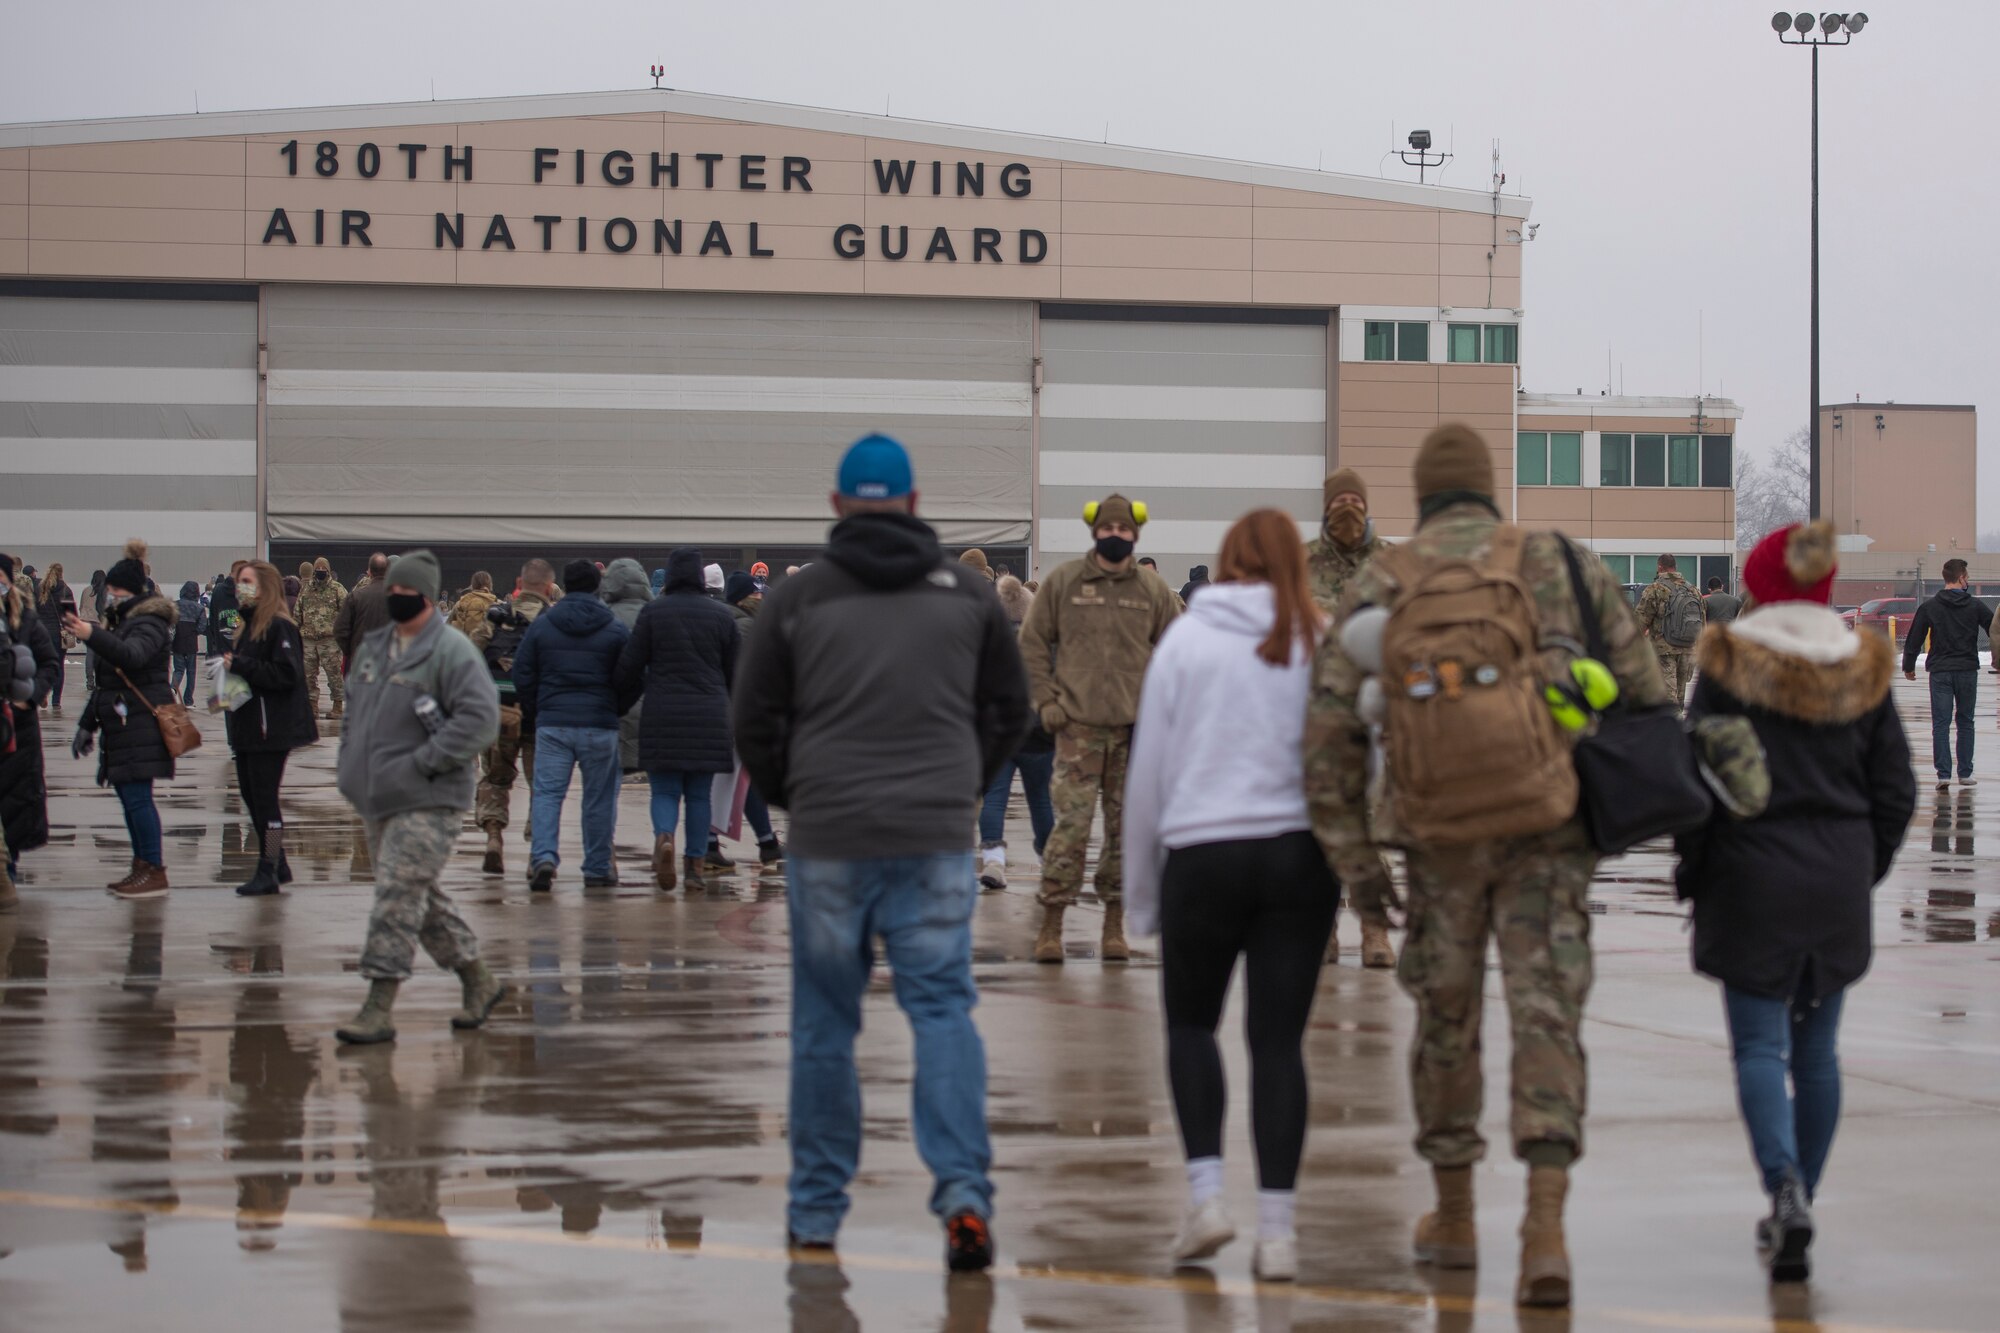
x=1530 y=896
x=323 y=656
x=409 y=850
x=1090 y=762
x=508 y=756
x=1677 y=670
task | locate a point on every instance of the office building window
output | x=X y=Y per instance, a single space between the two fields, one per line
x=1462 y=342
x=1385 y=340
x=1531 y=458
x=1715 y=566
x=1718 y=463
x=1649 y=460
x=1548 y=458
x=1565 y=458
x=1615 y=460
x=1413 y=342
x=1620 y=567
x=1503 y=344
x=1378 y=341
x=1684 y=460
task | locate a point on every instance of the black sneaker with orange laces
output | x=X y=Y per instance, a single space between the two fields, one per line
x=968 y=1243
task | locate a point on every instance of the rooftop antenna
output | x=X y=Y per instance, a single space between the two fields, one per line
x=659 y=72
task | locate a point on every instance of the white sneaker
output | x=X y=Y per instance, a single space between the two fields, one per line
x=1205 y=1230
x=1277 y=1259
x=993 y=868
x=1968 y=782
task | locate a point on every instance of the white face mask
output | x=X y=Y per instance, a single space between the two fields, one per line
x=246 y=593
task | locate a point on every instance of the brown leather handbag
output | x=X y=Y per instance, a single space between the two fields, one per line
x=177 y=729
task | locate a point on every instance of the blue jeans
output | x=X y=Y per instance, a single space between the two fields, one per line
x=1952 y=691
x=595 y=751
x=1791 y=1129
x=184 y=676
x=757 y=813
x=669 y=786
x=1036 y=772
x=142 y=819
x=921 y=906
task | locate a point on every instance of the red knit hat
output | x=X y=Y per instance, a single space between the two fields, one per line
x=1794 y=564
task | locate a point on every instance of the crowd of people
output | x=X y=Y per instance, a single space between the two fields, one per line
x=1276 y=735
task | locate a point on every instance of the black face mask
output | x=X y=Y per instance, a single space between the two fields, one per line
x=1114 y=550
x=320 y=576
x=405 y=606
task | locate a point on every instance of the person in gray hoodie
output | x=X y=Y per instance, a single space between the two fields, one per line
x=421 y=709
x=626 y=590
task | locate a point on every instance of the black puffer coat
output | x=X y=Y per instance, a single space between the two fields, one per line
x=136 y=638
x=683 y=652
x=278 y=717
x=50 y=609
x=1782 y=901
x=24 y=796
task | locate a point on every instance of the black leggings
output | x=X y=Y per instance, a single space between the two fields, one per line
x=1271 y=900
x=258 y=777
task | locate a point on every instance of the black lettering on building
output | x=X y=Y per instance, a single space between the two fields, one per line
x=668 y=171
x=749 y=176
x=545 y=161
x=666 y=236
x=354 y=224
x=717 y=239
x=631 y=234
x=985 y=243
x=497 y=232
x=617 y=167
x=279 y=225
x=708 y=161
x=937 y=178
x=579 y=166
x=1040 y=250
x=548 y=229
x=848 y=241
x=798 y=168
x=368 y=160
x=898 y=174
x=755 y=252
x=972 y=179
x=411 y=152
x=457 y=162
x=941 y=245
x=582 y=234
x=319 y=226
x=902 y=243
x=1014 y=182
x=452 y=229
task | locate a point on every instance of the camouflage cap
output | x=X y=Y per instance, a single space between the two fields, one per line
x=1453 y=457
x=321 y=563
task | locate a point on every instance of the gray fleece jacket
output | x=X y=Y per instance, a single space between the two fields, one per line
x=390 y=763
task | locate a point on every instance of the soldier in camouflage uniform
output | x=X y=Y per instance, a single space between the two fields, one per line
x=1347 y=542
x=1528 y=893
x=1676 y=664
x=319 y=606
x=514 y=749
x=410 y=777
x=1086 y=641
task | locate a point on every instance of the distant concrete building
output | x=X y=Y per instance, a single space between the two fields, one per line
x=1900 y=482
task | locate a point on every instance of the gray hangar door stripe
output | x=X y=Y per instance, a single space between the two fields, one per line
x=405 y=415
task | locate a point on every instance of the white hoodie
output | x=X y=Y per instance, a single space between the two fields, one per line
x=1217 y=752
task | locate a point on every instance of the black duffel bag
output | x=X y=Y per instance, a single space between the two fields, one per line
x=1637 y=773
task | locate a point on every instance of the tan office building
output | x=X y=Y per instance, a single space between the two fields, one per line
x=619 y=322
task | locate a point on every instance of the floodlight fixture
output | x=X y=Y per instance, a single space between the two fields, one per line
x=1856 y=22
x=1781 y=22
x=1420 y=139
x=1832 y=23
x=1802 y=23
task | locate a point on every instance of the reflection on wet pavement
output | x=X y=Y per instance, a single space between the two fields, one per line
x=182 y=1144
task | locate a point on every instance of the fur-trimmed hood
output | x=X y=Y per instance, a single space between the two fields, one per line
x=1014 y=597
x=1798 y=660
x=151 y=604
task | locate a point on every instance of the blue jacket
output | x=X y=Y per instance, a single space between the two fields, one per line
x=568 y=662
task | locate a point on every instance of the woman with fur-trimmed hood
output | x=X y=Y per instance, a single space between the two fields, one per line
x=134 y=647
x=1782 y=901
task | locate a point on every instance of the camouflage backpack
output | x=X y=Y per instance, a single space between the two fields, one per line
x=1681 y=622
x=1473 y=751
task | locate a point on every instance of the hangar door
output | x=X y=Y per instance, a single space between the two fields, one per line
x=587 y=420
x=128 y=410
x=1204 y=415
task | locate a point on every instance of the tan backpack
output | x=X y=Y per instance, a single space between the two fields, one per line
x=1473 y=751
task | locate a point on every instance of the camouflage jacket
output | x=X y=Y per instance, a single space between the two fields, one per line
x=1652 y=609
x=1336 y=739
x=1330 y=566
x=319 y=603
x=468 y=613
x=1088 y=638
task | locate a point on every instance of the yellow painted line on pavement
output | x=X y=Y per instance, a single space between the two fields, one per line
x=1003 y=1271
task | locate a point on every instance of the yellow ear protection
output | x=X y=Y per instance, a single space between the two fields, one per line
x=1139 y=512
x=1092 y=508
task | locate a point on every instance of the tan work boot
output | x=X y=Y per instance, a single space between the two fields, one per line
x=1448 y=1236
x=1544 y=1258
x=1113 y=948
x=496 y=847
x=374 y=1023
x=691 y=875
x=127 y=877
x=147 y=881
x=663 y=861
x=1048 y=944
x=338 y=705
x=480 y=991
x=1376 y=951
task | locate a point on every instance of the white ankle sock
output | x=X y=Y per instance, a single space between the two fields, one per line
x=1204 y=1180
x=1275 y=1212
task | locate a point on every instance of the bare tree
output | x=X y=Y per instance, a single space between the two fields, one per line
x=1774 y=492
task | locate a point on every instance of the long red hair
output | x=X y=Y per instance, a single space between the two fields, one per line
x=1263 y=547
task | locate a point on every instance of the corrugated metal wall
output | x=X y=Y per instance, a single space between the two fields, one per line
x=124 y=417
x=406 y=415
x=1203 y=421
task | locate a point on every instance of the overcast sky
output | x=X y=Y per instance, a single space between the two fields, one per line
x=1664 y=145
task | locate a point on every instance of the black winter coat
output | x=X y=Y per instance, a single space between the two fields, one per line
x=187 y=634
x=1952 y=620
x=1782 y=902
x=683 y=651
x=50 y=609
x=24 y=795
x=138 y=639
x=223 y=613
x=566 y=664
x=278 y=717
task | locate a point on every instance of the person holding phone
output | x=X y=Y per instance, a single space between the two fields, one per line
x=56 y=602
x=270 y=656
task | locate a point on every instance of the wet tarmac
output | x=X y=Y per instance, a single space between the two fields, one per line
x=183 y=1146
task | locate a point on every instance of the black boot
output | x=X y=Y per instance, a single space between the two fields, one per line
x=1787 y=1234
x=265 y=881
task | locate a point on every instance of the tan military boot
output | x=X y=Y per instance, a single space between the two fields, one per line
x=496 y=848
x=374 y=1023
x=663 y=862
x=1376 y=951
x=339 y=706
x=1448 y=1236
x=1544 y=1258
x=1113 y=948
x=1048 y=944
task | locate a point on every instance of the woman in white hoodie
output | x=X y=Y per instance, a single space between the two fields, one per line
x=1220 y=860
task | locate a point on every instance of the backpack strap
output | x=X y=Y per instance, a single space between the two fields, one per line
x=1510 y=542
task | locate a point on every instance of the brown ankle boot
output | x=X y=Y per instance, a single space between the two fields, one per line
x=1049 y=944
x=663 y=861
x=10 y=897
x=1448 y=1236
x=495 y=862
x=1113 y=948
x=691 y=875
x=127 y=877
x=1544 y=1258
x=1376 y=951
x=149 y=882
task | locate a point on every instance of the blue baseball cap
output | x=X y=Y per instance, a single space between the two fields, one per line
x=875 y=467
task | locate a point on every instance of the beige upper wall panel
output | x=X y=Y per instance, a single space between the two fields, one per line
x=176 y=157
x=13 y=187
x=1110 y=185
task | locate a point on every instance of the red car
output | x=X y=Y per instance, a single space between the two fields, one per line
x=1877 y=614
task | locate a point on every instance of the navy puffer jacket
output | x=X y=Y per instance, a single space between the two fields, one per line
x=683 y=655
x=566 y=664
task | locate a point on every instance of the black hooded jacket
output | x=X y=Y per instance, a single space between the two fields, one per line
x=1197 y=578
x=681 y=659
x=880 y=694
x=1952 y=620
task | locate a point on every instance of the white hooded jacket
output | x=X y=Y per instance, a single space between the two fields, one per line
x=1217 y=752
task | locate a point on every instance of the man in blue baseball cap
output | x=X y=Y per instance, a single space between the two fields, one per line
x=881 y=753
